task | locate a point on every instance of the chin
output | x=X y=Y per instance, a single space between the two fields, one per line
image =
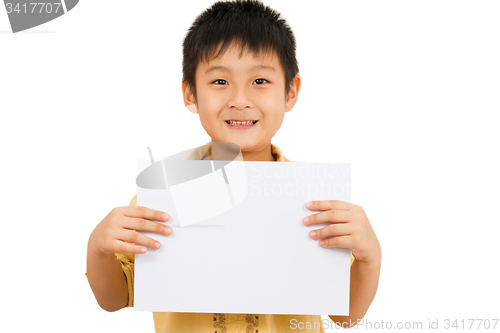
x=243 y=144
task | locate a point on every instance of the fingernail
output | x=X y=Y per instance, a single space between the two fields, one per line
x=167 y=230
x=305 y=220
x=312 y=233
x=165 y=216
x=309 y=204
x=157 y=245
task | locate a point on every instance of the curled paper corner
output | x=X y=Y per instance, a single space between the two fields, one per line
x=217 y=184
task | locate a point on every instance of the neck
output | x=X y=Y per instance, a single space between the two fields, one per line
x=263 y=155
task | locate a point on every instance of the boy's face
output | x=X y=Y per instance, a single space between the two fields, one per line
x=232 y=88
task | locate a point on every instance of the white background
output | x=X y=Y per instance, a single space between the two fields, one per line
x=408 y=92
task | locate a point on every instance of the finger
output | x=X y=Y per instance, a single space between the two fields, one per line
x=145 y=212
x=337 y=241
x=133 y=236
x=124 y=247
x=147 y=225
x=335 y=229
x=328 y=216
x=328 y=204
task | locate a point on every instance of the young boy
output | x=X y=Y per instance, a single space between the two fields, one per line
x=239 y=65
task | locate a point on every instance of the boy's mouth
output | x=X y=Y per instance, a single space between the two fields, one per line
x=235 y=123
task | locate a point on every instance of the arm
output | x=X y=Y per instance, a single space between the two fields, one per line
x=106 y=276
x=111 y=252
x=351 y=229
x=107 y=280
x=364 y=283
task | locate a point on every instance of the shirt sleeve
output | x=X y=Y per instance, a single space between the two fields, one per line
x=127 y=262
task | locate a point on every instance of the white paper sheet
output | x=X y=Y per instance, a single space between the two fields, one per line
x=254 y=257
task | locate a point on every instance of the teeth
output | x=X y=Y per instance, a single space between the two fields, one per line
x=240 y=122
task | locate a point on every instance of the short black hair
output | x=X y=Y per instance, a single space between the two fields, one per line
x=245 y=23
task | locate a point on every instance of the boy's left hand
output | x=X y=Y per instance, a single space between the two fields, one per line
x=350 y=228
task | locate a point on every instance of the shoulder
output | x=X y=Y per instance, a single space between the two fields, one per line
x=200 y=153
x=133 y=202
x=280 y=157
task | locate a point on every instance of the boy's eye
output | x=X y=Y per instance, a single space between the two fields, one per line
x=260 y=80
x=220 y=80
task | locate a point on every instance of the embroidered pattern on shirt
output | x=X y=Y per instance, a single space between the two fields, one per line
x=235 y=323
x=220 y=323
x=253 y=321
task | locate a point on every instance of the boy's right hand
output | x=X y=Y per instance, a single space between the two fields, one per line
x=120 y=226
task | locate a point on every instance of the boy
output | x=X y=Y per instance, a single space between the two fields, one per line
x=239 y=66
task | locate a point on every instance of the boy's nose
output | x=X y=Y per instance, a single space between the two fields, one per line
x=240 y=98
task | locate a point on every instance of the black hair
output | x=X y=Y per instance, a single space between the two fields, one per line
x=245 y=23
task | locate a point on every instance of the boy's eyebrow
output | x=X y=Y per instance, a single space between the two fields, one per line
x=225 y=69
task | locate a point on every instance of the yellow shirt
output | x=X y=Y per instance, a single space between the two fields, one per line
x=187 y=322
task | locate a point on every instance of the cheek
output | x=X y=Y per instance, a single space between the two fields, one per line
x=272 y=106
x=212 y=104
x=209 y=108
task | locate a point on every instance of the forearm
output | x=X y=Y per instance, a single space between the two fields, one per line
x=107 y=280
x=364 y=283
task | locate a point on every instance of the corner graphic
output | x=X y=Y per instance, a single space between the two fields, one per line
x=25 y=15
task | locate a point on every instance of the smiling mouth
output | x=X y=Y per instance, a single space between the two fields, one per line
x=241 y=123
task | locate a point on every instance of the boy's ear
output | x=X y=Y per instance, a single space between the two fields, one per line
x=293 y=94
x=189 y=100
